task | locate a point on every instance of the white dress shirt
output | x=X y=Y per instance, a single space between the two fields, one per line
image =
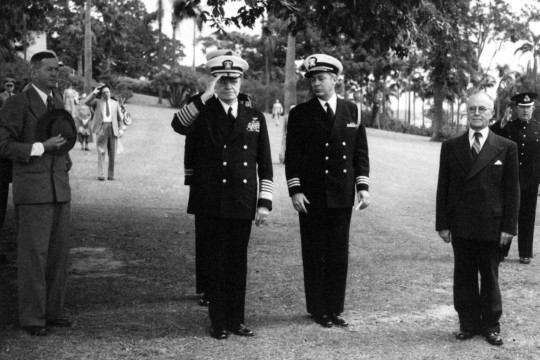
x=482 y=139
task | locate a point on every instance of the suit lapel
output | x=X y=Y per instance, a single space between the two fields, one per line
x=35 y=103
x=215 y=124
x=463 y=152
x=240 y=123
x=489 y=151
x=339 y=120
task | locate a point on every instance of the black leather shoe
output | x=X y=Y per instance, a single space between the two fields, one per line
x=36 y=330
x=524 y=260
x=219 y=333
x=243 y=330
x=101 y=178
x=60 y=322
x=463 y=335
x=324 y=321
x=494 y=338
x=110 y=178
x=338 y=320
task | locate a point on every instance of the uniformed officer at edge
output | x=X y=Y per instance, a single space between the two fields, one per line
x=526 y=133
x=326 y=164
x=231 y=150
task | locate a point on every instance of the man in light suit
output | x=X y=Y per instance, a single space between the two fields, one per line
x=477 y=211
x=41 y=194
x=326 y=164
x=232 y=185
x=106 y=122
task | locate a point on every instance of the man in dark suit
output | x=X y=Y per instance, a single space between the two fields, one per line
x=326 y=164
x=477 y=210
x=525 y=132
x=41 y=194
x=106 y=124
x=231 y=149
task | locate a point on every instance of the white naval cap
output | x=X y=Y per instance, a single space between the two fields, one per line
x=227 y=65
x=322 y=63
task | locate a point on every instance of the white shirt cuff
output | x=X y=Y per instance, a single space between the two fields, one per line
x=37 y=149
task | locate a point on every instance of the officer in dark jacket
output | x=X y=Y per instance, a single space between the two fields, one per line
x=202 y=234
x=231 y=150
x=326 y=164
x=526 y=133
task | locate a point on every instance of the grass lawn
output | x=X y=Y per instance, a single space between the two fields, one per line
x=131 y=278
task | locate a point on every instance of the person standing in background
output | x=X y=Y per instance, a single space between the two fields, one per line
x=525 y=132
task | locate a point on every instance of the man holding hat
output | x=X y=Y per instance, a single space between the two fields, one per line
x=230 y=150
x=41 y=193
x=525 y=132
x=326 y=164
x=202 y=235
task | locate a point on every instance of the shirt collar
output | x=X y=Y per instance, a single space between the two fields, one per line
x=484 y=132
x=41 y=94
x=226 y=107
x=332 y=102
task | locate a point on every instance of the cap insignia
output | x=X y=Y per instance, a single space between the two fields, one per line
x=527 y=98
x=227 y=64
x=312 y=62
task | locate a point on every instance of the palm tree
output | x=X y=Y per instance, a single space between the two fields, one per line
x=189 y=9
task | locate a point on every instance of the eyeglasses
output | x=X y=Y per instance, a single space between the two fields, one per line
x=480 y=109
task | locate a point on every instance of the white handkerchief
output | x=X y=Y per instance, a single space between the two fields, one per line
x=498 y=162
x=351 y=124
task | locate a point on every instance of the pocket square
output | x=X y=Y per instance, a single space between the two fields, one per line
x=498 y=162
x=351 y=124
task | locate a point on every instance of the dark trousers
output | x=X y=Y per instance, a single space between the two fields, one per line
x=202 y=252
x=527 y=216
x=325 y=254
x=227 y=271
x=479 y=308
x=4 y=194
x=106 y=143
x=42 y=255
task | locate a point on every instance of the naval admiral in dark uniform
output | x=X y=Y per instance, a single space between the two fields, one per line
x=231 y=150
x=202 y=243
x=525 y=132
x=326 y=164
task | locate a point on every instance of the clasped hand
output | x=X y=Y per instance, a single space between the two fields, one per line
x=53 y=143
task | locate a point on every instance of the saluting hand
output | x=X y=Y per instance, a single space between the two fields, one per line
x=209 y=91
x=299 y=202
x=507 y=117
x=261 y=215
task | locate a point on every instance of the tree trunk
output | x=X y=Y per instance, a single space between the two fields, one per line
x=438 y=99
x=80 y=64
x=88 y=48
x=289 y=89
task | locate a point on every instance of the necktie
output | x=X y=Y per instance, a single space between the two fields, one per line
x=50 y=103
x=475 y=150
x=230 y=116
x=107 y=110
x=329 y=111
